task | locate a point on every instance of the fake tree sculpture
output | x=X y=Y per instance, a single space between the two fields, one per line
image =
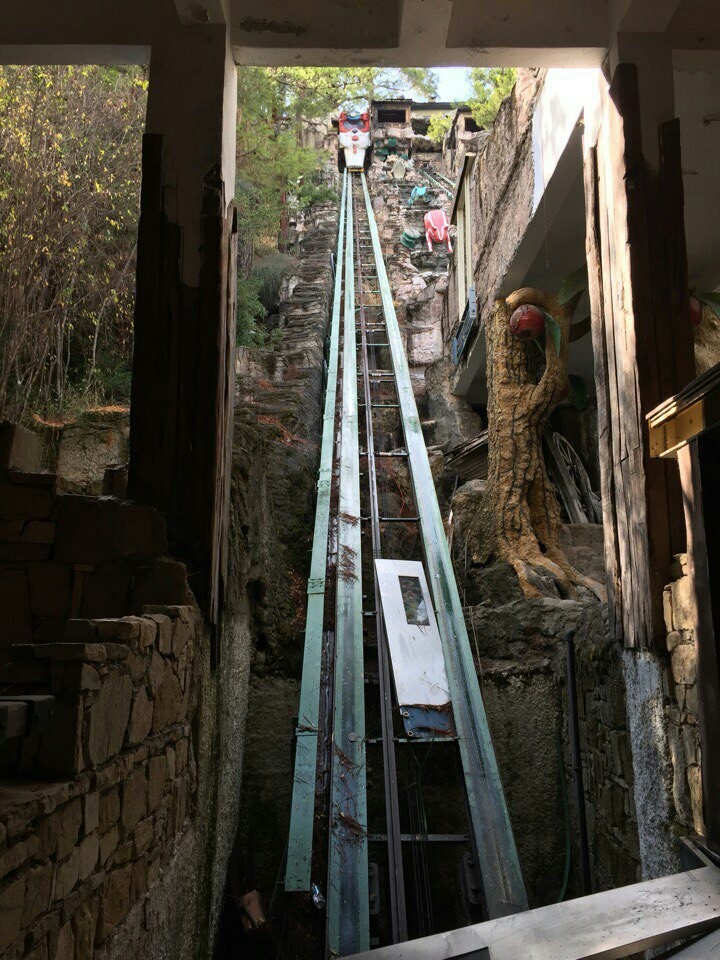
x=518 y=519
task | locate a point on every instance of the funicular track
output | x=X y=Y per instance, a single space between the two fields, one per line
x=354 y=823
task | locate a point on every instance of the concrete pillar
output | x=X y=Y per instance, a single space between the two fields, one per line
x=181 y=413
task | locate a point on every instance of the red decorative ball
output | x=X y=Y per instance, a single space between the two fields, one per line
x=527 y=322
x=696 y=312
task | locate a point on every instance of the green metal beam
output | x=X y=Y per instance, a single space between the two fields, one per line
x=348 y=921
x=302 y=813
x=502 y=881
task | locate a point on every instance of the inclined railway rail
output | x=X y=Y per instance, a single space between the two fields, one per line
x=348 y=653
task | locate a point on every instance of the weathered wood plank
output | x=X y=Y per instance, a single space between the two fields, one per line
x=596 y=294
x=700 y=475
x=638 y=290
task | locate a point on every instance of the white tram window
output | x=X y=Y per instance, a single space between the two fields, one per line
x=416 y=612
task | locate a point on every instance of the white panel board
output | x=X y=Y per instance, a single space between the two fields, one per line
x=413 y=638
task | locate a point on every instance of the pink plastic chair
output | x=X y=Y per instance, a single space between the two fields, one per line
x=437 y=229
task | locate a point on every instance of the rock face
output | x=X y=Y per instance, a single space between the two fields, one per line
x=275 y=461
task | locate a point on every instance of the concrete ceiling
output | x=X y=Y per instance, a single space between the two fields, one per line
x=378 y=32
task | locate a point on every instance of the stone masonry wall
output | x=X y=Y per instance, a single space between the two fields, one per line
x=682 y=703
x=126 y=804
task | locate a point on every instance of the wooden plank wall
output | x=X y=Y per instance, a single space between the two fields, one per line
x=183 y=379
x=642 y=340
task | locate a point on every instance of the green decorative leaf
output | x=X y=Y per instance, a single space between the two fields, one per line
x=553 y=328
x=578 y=392
x=712 y=300
x=575 y=282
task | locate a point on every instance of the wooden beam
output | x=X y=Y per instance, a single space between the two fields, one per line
x=700 y=476
x=604 y=926
x=642 y=344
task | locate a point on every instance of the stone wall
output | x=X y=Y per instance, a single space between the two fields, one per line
x=501 y=189
x=681 y=706
x=126 y=805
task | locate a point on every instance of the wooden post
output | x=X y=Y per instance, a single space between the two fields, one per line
x=700 y=474
x=642 y=341
x=183 y=364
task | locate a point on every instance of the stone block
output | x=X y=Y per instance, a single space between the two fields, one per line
x=684 y=664
x=140 y=717
x=39 y=531
x=84 y=922
x=168 y=700
x=12 y=900
x=89 y=652
x=674 y=639
x=683 y=604
x=65 y=949
x=122 y=629
x=134 y=800
x=67 y=874
x=69 y=823
x=16 y=855
x=181 y=753
x=20 y=448
x=109 y=717
x=89 y=850
x=164 y=631
x=15 y=606
x=50 y=589
x=181 y=634
x=114 y=902
x=108 y=845
x=137 y=664
x=143 y=837
x=61 y=745
x=139 y=879
x=668 y=608
x=109 y=810
x=691 y=700
x=91 y=812
x=24 y=502
x=75 y=677
x=157 y=771
x=694 y=776
x=38 y=888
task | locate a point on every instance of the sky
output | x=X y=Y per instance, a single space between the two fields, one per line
x=454 y=83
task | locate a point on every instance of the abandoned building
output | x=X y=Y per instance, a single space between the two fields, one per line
x=398 y=636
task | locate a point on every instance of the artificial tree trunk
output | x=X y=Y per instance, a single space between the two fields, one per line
x=518 y=520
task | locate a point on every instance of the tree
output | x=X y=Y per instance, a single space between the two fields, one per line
x=490 y=87
x=518 y=520
x=69 y=189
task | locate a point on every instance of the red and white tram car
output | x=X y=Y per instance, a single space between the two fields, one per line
x=354 y=143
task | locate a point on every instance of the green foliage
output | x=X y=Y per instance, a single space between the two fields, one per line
x=490 y=87
x=552 y=327
x=439 y=126
x=250 y=331
x=69 y=187
x=270 y=269
x=573 y=284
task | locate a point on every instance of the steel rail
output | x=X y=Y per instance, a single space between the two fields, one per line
x=398 y=913
x=503 y=888
x=302 y=811
x=348 y=910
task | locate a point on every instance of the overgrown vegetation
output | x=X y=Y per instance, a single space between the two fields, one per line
x=69 y=185
x=70 y=141
x=490 y=86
